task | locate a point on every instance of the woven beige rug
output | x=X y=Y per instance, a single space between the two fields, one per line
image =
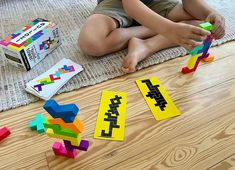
x=71 y=14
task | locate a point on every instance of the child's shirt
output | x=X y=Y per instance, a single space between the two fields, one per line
x=146 y=1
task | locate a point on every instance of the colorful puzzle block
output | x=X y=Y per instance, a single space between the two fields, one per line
x=74 y=140
x=4 y=132
x=206 y=26
x=69 y=131
x=58 y=130
x=193 y=60
x=110 y=123
x=37 y=124
x=200 y=52
x=196 y=50
x=76 y=126
x=84 y=144
x=157 y=98
x=60 y=150
x=209 y=58
x=67 y=112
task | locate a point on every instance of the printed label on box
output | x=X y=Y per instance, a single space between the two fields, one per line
x=32 y=43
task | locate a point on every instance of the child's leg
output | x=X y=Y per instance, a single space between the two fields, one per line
x=101 y=33
x=140 y=49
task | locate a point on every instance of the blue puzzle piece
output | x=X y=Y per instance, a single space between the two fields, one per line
x=66 y=68
x=37 y=124
x=37 y=35
x=66 y=112
x=207 y=45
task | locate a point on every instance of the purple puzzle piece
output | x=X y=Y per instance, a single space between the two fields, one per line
x=84 y=144
x=71 y=68
x=204 y=55
x=39 y=87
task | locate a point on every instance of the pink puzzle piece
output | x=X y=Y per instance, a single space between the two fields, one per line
x=59 y=149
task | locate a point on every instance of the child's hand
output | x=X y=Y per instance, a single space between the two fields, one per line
x=218 y=22
x=187 y=36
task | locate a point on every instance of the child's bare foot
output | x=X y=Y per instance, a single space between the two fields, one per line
x=137 y=51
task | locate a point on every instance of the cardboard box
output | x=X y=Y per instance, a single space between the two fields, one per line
x=28 y=46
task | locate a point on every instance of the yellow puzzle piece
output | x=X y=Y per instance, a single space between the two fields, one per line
x=110 y=122
x=74 y=141
x=157 y=98
x=192 y=61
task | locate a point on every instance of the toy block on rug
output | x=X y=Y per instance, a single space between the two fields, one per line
x=63 y=123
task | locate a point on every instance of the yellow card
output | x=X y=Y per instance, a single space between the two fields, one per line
x=110 y=123
x=157 y=98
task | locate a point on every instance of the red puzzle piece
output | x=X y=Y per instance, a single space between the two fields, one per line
x=4 y=132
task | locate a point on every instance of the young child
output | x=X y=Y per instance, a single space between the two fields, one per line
x=163 y=24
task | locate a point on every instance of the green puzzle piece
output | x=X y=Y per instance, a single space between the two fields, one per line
x=46 y=82
x=206 y=26
x=194 y=51
x=58 y=130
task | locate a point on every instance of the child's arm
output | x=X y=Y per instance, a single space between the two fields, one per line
x=182 y=34
x=201 y=10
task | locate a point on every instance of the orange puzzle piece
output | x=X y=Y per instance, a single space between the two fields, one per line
x=209 y=58
x=75 y=126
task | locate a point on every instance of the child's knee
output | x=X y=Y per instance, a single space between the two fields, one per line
x=89 y=45
x=93 y=34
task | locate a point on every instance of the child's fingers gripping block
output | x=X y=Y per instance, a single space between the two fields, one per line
x=196 y=50
x=4 y=132
x=201 y=49
x=206 y=26
x=66 y=112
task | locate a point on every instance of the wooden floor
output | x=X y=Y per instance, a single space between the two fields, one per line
x=203 y=137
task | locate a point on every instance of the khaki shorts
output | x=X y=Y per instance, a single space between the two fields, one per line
x=114 y=9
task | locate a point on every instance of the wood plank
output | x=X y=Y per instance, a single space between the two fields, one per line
x=196 y=141
x=224 y=164
x=147 y=142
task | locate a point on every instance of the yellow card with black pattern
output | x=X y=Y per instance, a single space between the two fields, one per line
x=157 y=98
x=110 y=123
